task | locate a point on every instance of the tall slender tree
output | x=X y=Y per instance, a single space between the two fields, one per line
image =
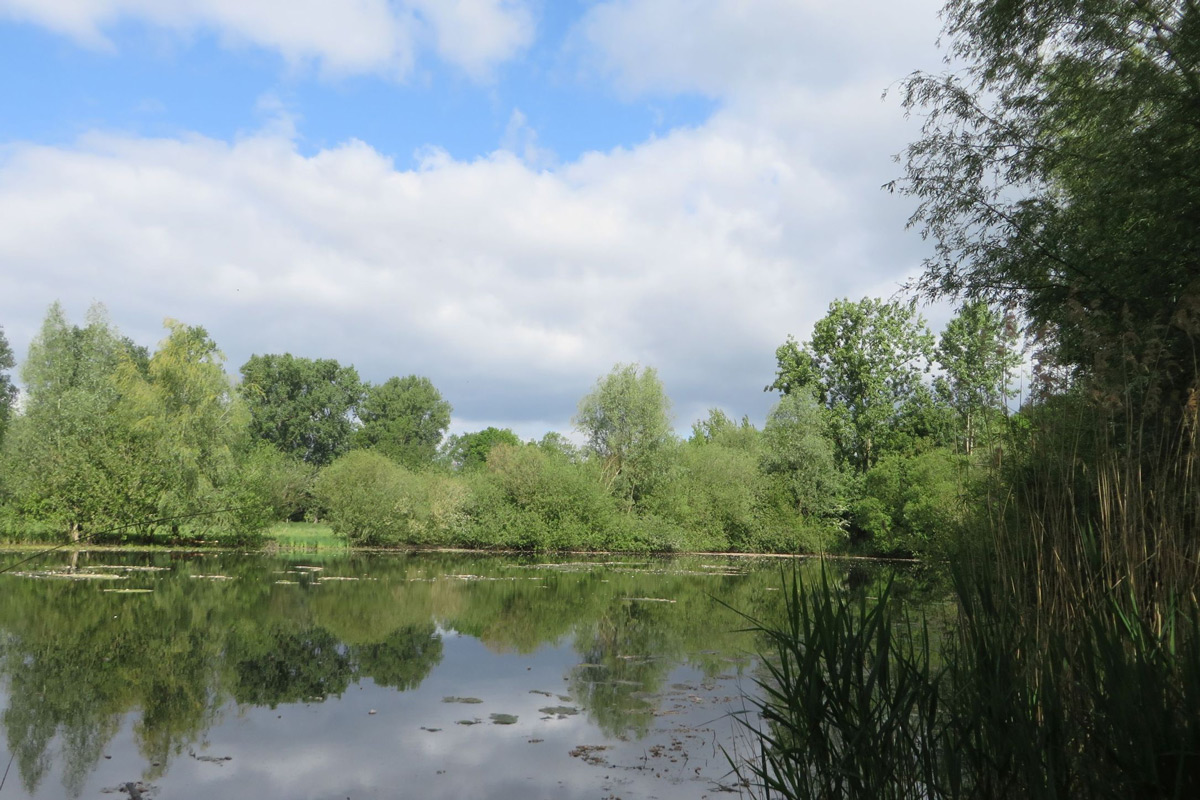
x=865 y=363
x=8 y=392
x=977 y=353
x=67 y=458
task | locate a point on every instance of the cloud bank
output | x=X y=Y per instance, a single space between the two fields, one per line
x=511 y=280
x=344 y=37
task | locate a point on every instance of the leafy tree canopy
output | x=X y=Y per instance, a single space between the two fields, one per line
x=718 y=428
x=1059 y=173
x=8 y=392
x=627 y=421
x=404 y=419
x=303 y=406
x=864 y=364
x=470 y=450
x=977 y=352
x=67 y=456
x=798 y=452
x=185 y=421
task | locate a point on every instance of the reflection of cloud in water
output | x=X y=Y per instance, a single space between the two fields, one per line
x=250 y=640
x=337 y=749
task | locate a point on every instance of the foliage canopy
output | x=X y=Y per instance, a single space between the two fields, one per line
x=301 y=405
x=1059 y=173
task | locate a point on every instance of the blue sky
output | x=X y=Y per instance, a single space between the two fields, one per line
x=152 y=84
x=506 y=196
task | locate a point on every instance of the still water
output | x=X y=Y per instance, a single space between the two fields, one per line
x=173 y=676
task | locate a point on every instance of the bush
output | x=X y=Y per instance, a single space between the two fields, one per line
x=713 y=495
x=913 y=504
x=368 y=498
x=532 y=499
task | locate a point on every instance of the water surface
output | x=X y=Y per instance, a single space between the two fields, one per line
x=370 y=676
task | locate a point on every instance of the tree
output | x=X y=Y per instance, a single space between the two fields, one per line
x=865 y=364
x=113 y=439
x=1059 y=173
x=470 y=450
x=627 y=421
x=718 y=428
x=555 y=444
x=185 y=424
x=977 y=354
x=8 y=392
x=303 y=406
x=404 y=419
x=798 y=453
x=67 y=459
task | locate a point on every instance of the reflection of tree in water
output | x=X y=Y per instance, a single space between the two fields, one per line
x=180 y=697
x=403 y=659
x=55 y=689
x=290 y=667
x=624 y=661
x=76 y=662
x=298 y=666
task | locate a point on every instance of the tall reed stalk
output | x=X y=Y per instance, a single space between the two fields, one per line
x=1103 y=501
x=856 y=700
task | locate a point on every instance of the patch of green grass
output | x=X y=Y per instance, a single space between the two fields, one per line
x=304 y=536
x=14 y=531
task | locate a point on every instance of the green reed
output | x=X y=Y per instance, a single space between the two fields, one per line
x=859 y=701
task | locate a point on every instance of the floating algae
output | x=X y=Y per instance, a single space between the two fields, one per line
x=561 y=712
x=68 y=575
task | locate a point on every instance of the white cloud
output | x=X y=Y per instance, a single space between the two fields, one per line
x=512 y=286
x=512 y=281
x=521 y=140
x=720 y=47
x=476 y=35
x=344 y=37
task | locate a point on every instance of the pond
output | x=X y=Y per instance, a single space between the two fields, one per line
x=201 y=675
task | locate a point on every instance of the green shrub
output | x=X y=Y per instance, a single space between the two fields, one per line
x=368 y=498
x=529 y=498
x=913 y=504
x=712 y=495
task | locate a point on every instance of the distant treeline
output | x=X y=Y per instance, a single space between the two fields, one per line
x=871 y=445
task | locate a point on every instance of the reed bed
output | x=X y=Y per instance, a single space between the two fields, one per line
x=1073 y=668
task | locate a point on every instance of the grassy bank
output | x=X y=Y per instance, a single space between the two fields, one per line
x=303 y=536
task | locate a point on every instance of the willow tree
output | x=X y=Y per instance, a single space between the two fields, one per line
x=627 y=421
x=186 y=424
x=1059 y=173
